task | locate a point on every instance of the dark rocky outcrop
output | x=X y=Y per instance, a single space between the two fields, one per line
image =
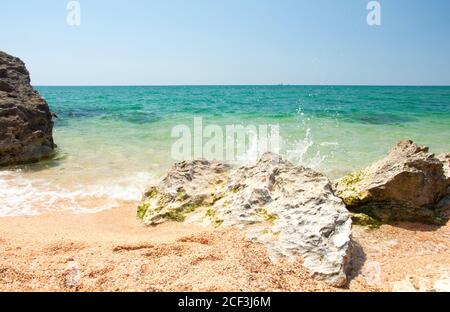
x=292 y=210
x=25 y=120
x=408 y=185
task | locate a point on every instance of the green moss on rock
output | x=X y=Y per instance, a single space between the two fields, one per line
x=352 y=197
x=181 y=194
x=266 y=215
x=210 y=213
x=365 y=220
x=351 y=179
x=269 y=231
x=349 y=191
x=218 y=223
x=142 y=210
x=151 y=192
x=175 y=215
x=180 y=214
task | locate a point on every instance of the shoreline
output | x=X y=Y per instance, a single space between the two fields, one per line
x=171 y=241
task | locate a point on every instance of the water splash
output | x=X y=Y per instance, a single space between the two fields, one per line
x=252 y=152
x=299 y=152
x=304 y=151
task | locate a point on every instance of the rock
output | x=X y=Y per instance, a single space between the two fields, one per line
x=371 y=273
x=445 y=159
x=292 y=210
x=71 y=274
x=187 y=186
x=413 y=284
x=444 y=205
x=365 y=220
x=443 y=283
x=423 y=284
x=403 y=286
x=407 y=185
x=25 y=120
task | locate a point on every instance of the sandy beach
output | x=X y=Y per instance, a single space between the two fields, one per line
x=112 y=251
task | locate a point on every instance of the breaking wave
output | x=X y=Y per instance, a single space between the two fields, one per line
x=23 y=196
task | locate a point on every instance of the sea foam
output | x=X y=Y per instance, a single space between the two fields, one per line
x=24 y=196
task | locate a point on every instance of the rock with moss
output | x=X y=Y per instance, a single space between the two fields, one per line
x=407 y=185
x=292 y=210
x=365 y=220
x=187 y=187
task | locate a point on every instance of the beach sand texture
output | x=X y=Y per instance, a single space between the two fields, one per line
x=112 y=251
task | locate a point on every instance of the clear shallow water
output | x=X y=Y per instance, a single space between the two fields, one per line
x=113 y=141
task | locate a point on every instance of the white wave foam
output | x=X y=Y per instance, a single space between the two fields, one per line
x=33 y=196
x=329 y=144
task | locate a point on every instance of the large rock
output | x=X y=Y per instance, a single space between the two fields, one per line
x=444 y=205
x=25 y=120
x=445 y=159
x=406 y=185
x=292 y=210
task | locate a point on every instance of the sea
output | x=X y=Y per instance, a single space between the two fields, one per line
x=113 y=142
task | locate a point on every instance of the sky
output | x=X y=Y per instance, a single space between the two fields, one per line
x=215 y=42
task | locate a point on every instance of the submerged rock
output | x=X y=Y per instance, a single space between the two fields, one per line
x=406 y=185
x=292 y=210
x=25 y=120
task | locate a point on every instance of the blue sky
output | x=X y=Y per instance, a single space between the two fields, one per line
x=187 y=42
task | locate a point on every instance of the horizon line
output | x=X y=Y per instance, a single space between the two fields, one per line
x=241 y=85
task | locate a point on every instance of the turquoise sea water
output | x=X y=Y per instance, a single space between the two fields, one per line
x=112 y=141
